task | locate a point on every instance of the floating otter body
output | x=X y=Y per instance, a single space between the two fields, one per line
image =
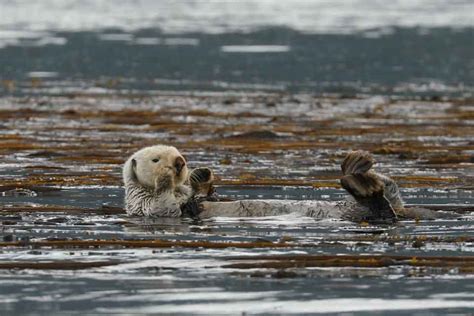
x=158 y=183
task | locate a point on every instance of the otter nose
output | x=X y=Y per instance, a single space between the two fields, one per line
x=179 y=164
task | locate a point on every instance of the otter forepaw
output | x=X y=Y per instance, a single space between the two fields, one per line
x=201 y=175
x=201 y=180
x=192 y=208
x=165 y=181
x=357 y=162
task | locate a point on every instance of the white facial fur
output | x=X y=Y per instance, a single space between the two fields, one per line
x=147 y=170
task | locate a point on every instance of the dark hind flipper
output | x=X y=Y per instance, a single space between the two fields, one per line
x=369 y=192
x=357 y=162
x=201 y=180
x=366 y=186
x=391 y=192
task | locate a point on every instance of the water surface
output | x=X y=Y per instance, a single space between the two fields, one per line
x=271 y=95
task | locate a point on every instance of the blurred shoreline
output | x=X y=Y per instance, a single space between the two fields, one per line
x=405 y=48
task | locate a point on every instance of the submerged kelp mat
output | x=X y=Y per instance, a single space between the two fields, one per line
x=67 y=246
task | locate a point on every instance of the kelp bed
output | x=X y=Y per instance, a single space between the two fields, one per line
x=67 y=245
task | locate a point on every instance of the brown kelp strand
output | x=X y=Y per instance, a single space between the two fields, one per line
x=56 y=265
x=329 y=242
x=372 y=261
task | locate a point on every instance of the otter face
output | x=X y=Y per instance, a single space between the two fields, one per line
x=152 y=162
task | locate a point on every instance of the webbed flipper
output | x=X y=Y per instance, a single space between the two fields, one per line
x=366 y=186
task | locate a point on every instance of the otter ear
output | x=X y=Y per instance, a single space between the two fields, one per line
x=129 y=174
x=133 y=172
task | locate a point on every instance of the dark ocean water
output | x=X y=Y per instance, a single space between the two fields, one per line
x=365 y=46
x=404 y=61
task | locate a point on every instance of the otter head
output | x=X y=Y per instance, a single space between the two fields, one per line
x=151 y=162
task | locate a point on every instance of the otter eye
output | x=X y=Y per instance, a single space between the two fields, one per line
x=156 y=160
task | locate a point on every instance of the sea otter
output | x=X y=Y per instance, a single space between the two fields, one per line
x=158 y=183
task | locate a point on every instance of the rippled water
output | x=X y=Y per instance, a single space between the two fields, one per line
x=184 y=280
x=271 y=95
x=67 y=152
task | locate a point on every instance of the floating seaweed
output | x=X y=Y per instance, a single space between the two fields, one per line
x=61 y=197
